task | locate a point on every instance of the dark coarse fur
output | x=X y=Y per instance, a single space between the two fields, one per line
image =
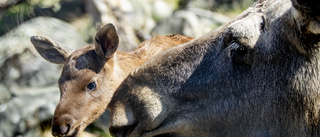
x=258 y=75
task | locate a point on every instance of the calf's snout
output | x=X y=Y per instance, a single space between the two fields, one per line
x=61 y=126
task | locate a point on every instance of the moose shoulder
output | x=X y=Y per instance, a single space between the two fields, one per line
x=258 y=75
x=92 y=73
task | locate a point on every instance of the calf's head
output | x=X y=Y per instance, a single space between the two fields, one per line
x=258 y=75
x=87 y=73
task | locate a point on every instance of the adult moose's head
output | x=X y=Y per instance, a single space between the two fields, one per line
x=258 y=75
x=92 y=73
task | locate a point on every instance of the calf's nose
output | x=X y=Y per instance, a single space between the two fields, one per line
x=59 y=130
x=61 y=125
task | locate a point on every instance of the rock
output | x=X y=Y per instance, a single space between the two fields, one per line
x=214 y=5
x=192 y=22
x=25 y=112
x=161 y=9
x=103 y=12
x=8 y=3
x=29 y=91
x=5 y=97
x=129 y=17
x=21 y=65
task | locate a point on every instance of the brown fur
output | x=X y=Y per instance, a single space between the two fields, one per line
x=100 y=64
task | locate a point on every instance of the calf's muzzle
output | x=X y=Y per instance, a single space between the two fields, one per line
x=62 y=126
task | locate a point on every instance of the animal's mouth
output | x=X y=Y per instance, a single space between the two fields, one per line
x=75 y=132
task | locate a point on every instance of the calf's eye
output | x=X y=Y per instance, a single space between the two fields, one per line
x=92 y=86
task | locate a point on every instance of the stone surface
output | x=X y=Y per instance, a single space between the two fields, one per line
x=105 y=11
x=191 y=22
x=214 y=5
x=29 y=91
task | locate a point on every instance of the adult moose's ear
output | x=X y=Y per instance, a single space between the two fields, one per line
x=51 y=50
x=106 y=41
x=307 y=13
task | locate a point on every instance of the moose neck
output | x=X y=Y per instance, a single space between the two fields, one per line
x=184 y=59
x=124 y=62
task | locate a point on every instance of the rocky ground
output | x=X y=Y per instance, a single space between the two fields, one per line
x=28 y=84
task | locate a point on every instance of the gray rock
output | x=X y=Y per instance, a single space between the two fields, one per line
x=192 y=22
x=129 y=16
x=213 y=5
x=21 y=65
x=161 y=9
x=25 y=112
x=29 y=91
x=104 y=12
x=8 y=3
x=5 y=97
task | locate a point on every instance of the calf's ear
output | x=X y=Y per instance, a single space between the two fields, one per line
x=307 y=12
x=51 y=50
x=106 y=41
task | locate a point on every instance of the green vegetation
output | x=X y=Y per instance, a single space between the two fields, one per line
x=234 y=9
x=17 y=14
x=173 y=3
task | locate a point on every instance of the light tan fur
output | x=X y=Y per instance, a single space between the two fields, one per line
x=100 y=64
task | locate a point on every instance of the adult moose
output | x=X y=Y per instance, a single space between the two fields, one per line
x=92 y=73
x=258 y=75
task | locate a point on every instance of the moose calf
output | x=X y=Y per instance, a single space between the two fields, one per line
x=92 y=73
